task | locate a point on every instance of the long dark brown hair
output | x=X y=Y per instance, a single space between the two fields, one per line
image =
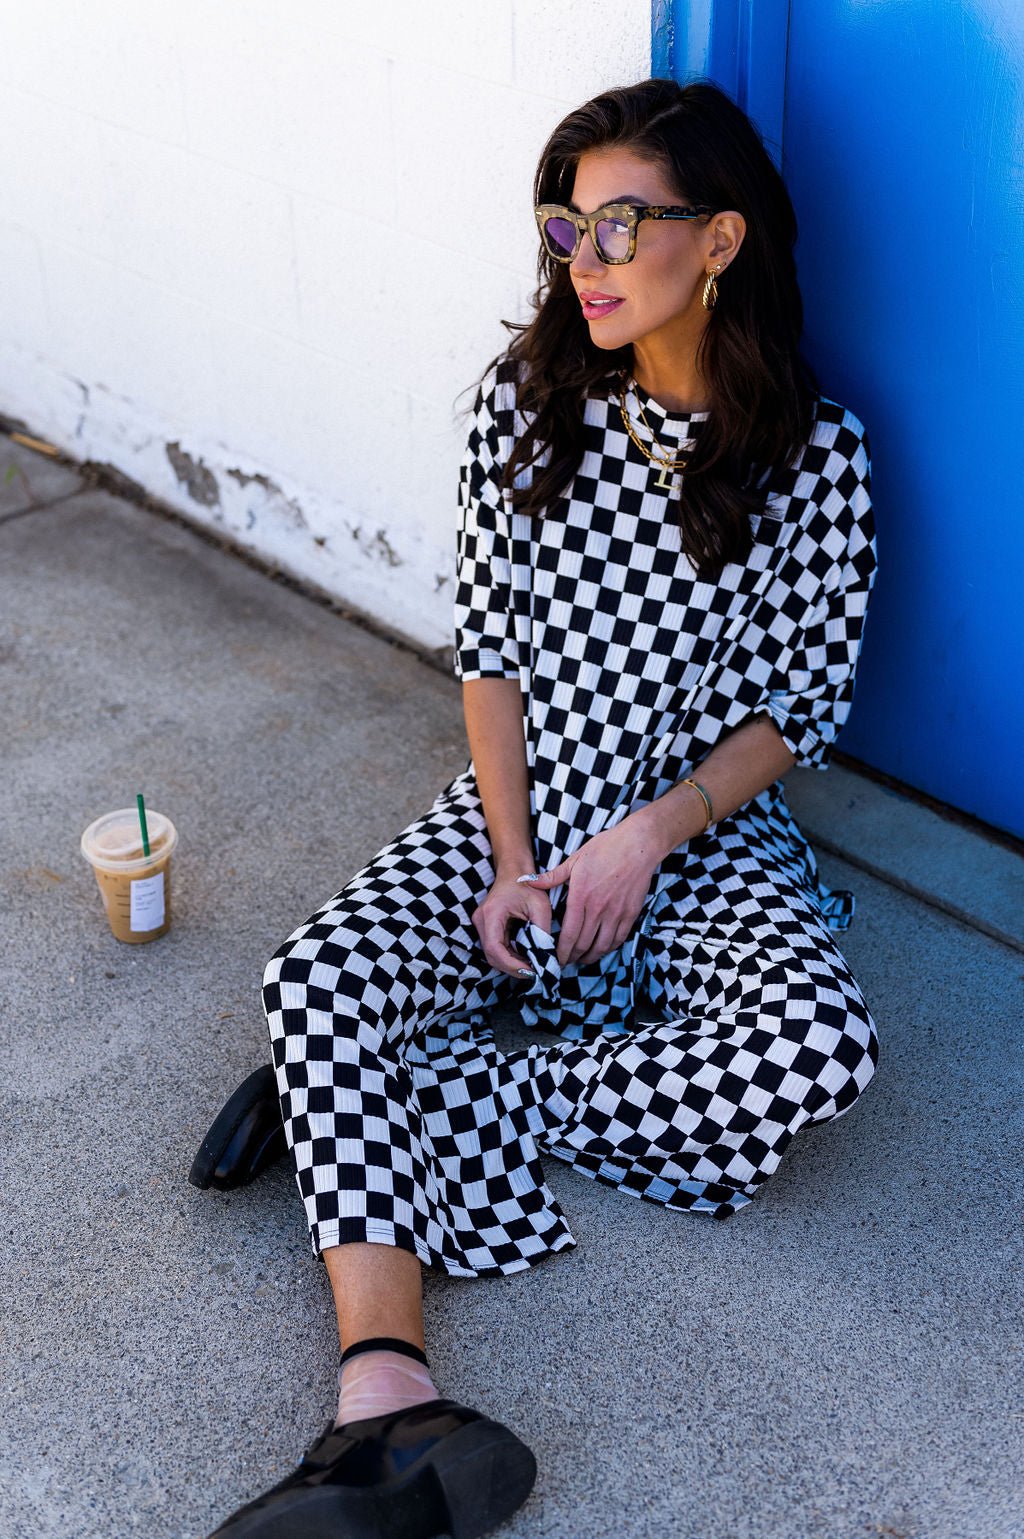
x=761 y=391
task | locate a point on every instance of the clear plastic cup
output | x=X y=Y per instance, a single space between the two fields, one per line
x=135 y=887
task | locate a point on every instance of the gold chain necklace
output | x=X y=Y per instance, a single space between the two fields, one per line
x=669 y=464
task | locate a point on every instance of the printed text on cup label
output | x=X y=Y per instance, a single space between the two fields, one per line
x=148 y=902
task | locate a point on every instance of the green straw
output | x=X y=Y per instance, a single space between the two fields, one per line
x=142 y=824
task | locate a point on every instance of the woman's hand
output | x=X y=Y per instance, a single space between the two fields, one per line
x=609 y=878
x=505 y=906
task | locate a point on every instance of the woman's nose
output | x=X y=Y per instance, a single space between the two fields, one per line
x=586 y=259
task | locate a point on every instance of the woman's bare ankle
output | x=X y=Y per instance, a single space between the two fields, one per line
x=378 y=1291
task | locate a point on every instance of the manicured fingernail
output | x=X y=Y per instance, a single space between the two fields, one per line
x=529 y=878
x=525 y=972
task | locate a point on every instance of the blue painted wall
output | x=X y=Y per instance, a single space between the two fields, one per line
x=902 y=144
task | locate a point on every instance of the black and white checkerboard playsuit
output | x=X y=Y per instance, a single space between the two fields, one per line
x=679 y=1067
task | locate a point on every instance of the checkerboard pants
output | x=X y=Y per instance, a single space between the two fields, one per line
x=688 y=1059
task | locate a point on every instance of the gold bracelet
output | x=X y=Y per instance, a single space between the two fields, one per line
x=705 y=798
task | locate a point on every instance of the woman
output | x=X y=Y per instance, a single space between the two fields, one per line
x=665 y=554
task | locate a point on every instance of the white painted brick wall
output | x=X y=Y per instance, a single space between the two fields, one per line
x=226 y=247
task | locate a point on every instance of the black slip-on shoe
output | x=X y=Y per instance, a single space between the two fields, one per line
x=245 y=1137
x=435 y=1468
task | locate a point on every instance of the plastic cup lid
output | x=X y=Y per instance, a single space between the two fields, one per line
x=114 y=841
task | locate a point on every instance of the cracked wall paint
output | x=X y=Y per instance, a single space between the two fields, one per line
x=388 y=571
x=377 y=544
x=277 y=503
x=197 y=479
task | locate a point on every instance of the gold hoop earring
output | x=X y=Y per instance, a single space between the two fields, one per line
x=709 y=298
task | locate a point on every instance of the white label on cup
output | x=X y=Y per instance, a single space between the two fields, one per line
x=148 y=902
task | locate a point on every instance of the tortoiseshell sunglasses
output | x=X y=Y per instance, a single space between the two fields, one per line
x=611 y=228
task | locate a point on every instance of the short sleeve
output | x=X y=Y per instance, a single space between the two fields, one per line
x=485 y=640
x=811 y=702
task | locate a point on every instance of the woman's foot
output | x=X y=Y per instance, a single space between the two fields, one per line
x=431 y=1469
x=245 y=1137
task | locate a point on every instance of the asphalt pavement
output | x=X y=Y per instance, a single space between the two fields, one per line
x=841 y=1360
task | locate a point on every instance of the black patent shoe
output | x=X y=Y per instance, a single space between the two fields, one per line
x=245 y=1137
x=435 y=1468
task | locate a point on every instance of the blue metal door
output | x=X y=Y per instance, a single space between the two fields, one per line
x=902 y=144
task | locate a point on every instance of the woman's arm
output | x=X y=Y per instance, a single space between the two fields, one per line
x=493 y=709
x=494 y=725
x=738 y=768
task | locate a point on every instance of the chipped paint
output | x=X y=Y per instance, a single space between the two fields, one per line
x=277 y=501
x=383 y=544
x=377 y=545
x=197 y=479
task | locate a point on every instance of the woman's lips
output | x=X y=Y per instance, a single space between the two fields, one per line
x=595 y=305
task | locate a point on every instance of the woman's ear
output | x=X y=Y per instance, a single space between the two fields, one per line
x=725 y=233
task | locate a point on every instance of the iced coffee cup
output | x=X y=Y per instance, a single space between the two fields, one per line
x=135 y=887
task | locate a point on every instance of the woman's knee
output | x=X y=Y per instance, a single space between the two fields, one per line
x=839 y=1037
x=331 y=984
x=800 y=1002
x=368 y=980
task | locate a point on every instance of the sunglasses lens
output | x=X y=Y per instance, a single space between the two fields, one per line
x=612 y=238
x=560 y=235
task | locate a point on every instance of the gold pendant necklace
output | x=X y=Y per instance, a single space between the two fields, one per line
x=669 y=466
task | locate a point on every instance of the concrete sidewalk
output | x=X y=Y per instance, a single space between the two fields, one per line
x=839 y=1361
